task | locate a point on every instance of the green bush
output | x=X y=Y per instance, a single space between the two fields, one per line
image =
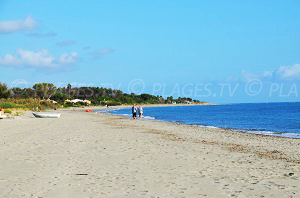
x=25 y=104
x=19 y=106
x=6 y=105
x=79 y=104
x=7 y=111
x=112 y=103
x=68 y=104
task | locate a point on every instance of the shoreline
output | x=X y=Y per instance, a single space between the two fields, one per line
x=254 y=132
x=103 y=155
x=216 y=130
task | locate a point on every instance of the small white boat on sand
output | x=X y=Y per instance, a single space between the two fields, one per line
x=2 y=116
x=46 y=115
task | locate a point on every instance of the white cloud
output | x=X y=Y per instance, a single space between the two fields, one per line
x=280 y=73
x=68 y=58
x=246 y=76
x=38 y=60
x=268 y=74
x=18 y=25
x=289 y=72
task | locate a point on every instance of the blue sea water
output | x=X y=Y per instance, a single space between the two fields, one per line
x=277 y=119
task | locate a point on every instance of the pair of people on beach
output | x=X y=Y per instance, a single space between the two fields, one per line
x=136 y=110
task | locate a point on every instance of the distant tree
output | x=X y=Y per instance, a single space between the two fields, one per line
x=117 y=93
x=84 y=92
x=69 y=87
x=59 y=97
x=109 y=91
x=161 y=99
x=179 y=100
x=169 y=100
x=28 y=93
x=4 y=91
x=44 y=90
x=17 y=92
x=97 y=95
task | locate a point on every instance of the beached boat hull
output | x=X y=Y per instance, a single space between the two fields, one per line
x=2 y=116
x=46 y=115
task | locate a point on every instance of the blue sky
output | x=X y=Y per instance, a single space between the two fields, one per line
x=194 y=48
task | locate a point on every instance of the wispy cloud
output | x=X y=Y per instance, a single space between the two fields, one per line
x=41 y=59
x=103 y=51
x=13 y=26
x=37 y=34
x=65 y=43
x=289 y=72
x=280 y=73
x=246 y=75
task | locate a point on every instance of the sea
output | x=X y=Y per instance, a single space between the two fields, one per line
x=275 y=119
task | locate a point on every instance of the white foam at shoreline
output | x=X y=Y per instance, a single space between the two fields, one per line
x=254 y=131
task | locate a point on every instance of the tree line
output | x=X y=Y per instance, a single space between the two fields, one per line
x=97 y=95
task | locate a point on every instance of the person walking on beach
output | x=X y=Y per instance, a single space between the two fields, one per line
x=141 y=111
x=134 y=111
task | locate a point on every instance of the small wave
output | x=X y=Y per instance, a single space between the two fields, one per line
x=210 y=127
x=273 y=133
x=149 y=118
x=292 y=135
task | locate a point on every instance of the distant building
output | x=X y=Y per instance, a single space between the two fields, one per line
x=87 y=102
x=79 y=100
x=188 y=102
x=76 y=100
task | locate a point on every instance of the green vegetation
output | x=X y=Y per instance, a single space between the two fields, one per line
x=44 y=90
x=19 y=113
x=25 y=103
x=43 y=94
x=7 y=111
x=4 y=91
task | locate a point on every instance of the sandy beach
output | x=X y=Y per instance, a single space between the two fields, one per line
x=97 y=155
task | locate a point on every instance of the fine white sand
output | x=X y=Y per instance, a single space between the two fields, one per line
x=95 y=155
